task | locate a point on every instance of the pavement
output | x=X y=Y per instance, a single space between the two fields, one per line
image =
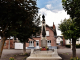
x=63 y=52
x=62 y=47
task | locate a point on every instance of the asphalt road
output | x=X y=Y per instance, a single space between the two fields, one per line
x=68 y=50
x=64 y=53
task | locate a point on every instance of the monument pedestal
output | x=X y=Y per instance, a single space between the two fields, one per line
x=43 y=43
x=44 y=55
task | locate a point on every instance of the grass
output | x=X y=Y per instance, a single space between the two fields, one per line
x=66 y=53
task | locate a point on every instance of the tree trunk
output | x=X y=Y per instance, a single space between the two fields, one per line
x=9 y=44
x=74 y=47
x=2 y=45
x=70 y=44
x=24 y=47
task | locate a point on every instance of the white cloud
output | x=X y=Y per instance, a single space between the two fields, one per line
x=51 y=16
x=49 y=6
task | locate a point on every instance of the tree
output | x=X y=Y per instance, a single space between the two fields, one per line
x=69 y=31
x=25 y=32
x=13 y=13
x=30 y=25
x=73 y=9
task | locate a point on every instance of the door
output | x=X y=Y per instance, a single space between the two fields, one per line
x=37 y=44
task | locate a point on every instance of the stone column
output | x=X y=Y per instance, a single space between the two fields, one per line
x=43 y=39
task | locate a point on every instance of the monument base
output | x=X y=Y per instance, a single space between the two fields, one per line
x=43 y=43
x=44 y=58
x=44 y=55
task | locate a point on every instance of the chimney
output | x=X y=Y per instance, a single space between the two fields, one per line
x=53 y=26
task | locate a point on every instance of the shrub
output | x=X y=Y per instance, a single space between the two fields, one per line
x=77 y=46
x=76 y=58
x=68 y=46
x=11 y=58
x=61 y=42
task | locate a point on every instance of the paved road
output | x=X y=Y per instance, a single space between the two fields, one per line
x=61 y=52
x=68 y=50
x=13 y=51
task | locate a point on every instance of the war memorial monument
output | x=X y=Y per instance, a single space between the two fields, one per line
x=44 y=54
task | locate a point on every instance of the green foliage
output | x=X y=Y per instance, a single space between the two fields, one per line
x=77 y=46
x=61 y=42
x=73 y=9
x=18 y=16
x=11 y=16
x=11 y=58
x=31 y=24
x=76 y=58
x=69 y=29
x=67 y=46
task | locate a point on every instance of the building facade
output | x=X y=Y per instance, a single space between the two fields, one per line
x=60 y=39
x=50 y=36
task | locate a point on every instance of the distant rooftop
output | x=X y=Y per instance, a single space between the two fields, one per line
x=8 y=38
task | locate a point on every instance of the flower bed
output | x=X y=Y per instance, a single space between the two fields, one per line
x=44 y=49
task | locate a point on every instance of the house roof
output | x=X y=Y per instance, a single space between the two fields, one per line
x=8 y=38
x=60 y=37
x=54 y=30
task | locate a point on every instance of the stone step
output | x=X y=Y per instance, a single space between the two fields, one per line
x=43 y=55
x=43 y=51
x=44 y=58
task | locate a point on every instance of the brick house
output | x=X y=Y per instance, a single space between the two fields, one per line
x=50 y=36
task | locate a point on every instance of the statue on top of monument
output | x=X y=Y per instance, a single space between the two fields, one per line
x=43 y=17
x=43 y=30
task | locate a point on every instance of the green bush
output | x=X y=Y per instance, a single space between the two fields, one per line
x=61 y=42
x=77 y=46
x=68 y=46
x=76 y=58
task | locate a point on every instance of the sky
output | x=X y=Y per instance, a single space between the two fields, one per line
x=53 y=11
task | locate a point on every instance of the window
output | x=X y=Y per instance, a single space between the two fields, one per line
x=48 y=42
x=37 y=35
x=47 y=33
x=31 y=43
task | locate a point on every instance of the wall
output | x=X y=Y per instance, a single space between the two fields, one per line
x=18 y=46
x=6 y=46
x=51 y=37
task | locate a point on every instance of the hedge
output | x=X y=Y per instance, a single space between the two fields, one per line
x=77 y=46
